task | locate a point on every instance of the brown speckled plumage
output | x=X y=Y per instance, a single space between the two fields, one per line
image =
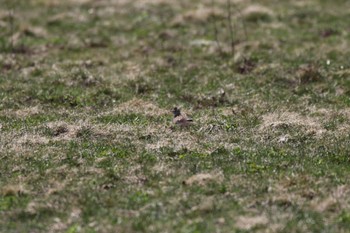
x=180 y=119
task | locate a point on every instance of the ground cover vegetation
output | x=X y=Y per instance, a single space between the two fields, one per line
x=86 y=138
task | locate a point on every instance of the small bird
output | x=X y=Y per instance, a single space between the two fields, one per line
x=180 y=119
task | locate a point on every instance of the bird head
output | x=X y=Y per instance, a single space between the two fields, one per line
x=176 y=112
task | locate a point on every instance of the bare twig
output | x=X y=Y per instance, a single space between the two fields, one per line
x=230 y=26
x=216 y=32
x=11 y=21
x=243 y=24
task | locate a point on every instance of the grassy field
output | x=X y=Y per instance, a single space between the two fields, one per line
x=87 y=142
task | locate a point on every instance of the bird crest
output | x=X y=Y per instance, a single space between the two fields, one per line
x=180 y=119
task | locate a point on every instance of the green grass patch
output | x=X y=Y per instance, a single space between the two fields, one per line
x=86 y=144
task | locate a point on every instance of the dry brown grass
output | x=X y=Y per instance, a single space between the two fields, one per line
x=204 y=178
x=272 y=121
x=13 y=190
x=249 y=222
x=139 y=106
x=257 y=9
x=86 y=131
x=201 y=14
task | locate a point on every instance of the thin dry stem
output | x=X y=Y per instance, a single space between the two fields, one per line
x=11 y=21
x=216 y=32
x=230 y=26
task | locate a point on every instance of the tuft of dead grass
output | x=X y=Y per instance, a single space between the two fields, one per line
x=249 y=222
x=13 y=190
x=273 y=121
x=23 y=112
x=66 y=132
x=204 y=178
x=31 y=139
x=63 y=130
x=308 y=74
x=206 y=205
x=37 y=32
x=57 y=18
x=55 y=187
x=200 y=15
x=135 y=176
x=176 y=140
x=257 y=13
x=141 y=4
x=336 y=200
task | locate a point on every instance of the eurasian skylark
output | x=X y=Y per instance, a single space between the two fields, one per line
x=180 y=119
